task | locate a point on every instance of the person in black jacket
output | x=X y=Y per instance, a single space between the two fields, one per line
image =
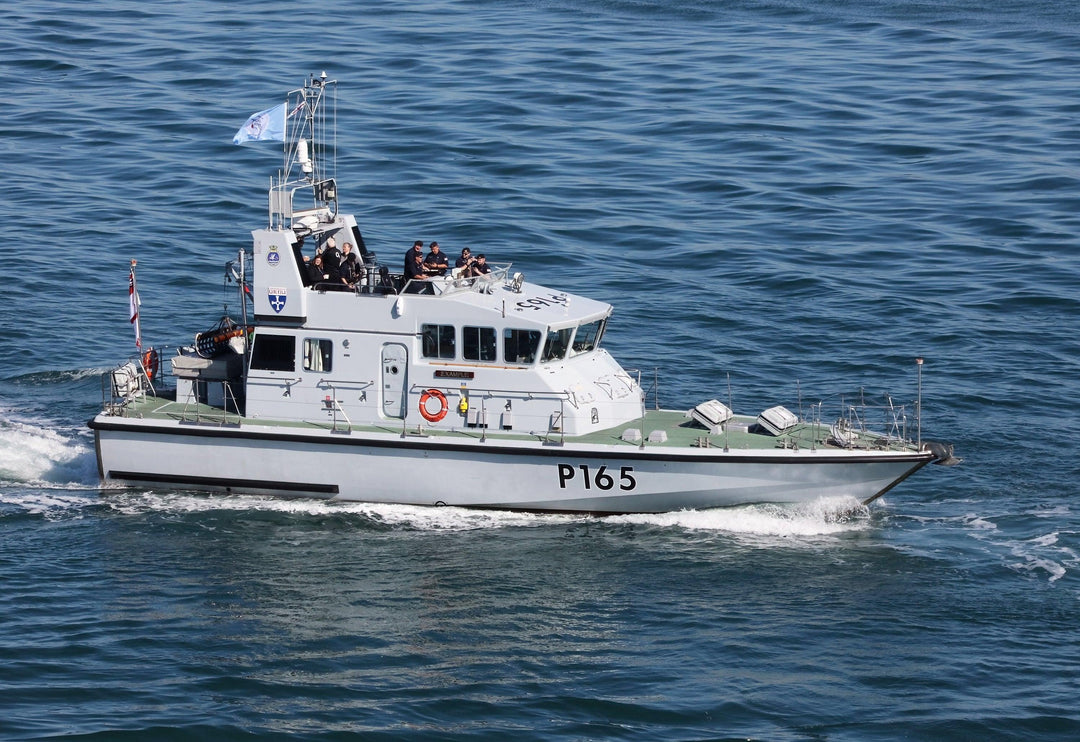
x=317 y=273
x=348 y=271
x=436 y=262
x=416 y=249
x=331 y=256
x=414 y=271
x=465 y=262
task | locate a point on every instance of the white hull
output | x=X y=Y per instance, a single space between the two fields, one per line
x=351 y=378
x=505 y=474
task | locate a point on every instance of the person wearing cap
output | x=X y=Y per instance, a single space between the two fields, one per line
x=416 y=249
x=436 y=262
x=414 y=271
x=331 y=257
x=465 y=262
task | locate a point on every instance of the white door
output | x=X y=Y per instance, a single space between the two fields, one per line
x=395 y=366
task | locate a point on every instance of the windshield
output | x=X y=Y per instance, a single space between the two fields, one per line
x=557 y=343
x=587 y=336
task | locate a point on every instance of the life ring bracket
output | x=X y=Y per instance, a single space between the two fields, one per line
x=427 y=396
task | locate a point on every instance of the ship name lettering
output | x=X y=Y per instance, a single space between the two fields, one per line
x=600 y=479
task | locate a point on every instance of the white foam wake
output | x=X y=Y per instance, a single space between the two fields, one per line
x=32 y=452
x=822 y=517
x=410 y=516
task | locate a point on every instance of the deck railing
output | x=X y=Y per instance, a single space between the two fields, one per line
x=200 y=413
x=372 y=283
x=556 y=418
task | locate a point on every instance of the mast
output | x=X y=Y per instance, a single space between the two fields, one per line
x=918 y=405
x=304 y=192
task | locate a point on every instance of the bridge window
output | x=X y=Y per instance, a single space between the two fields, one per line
x=273 y=352
x=519 y=346
x=438 y=341
x=318 y=355
x=478 y=343
x=557 y=343
x=587 y=336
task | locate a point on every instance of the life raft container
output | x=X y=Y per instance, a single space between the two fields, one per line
x=215 y=341
x=427 y=396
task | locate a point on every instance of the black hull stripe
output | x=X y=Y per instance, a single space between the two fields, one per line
x=434 y=444
x=225 y=483
x=278 y=320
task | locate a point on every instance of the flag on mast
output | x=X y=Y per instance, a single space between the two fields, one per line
x=268 y=125
x=133 y=301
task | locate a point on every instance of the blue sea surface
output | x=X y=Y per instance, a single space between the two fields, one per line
x=784 y=200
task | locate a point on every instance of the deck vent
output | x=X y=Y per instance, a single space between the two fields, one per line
x=631 y=435
x=777 y=420
x=711 y=414
x=658 y=436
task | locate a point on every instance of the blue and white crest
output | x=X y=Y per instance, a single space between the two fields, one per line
x=273 y=257
x=277 y=297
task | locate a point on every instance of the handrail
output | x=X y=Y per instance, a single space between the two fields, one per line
x=450 y=285
x=364 y=384
x=654 y=387
x=860 y=420
x=440 y=285
x=333 y=404
x=116 y=392
x=562 y=426
x=485 y=394
x=192 y=402
x=528 y=395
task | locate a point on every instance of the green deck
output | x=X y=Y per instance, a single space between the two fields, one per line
x=682 y=432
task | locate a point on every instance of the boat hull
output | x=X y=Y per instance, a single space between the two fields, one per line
x=491 y=473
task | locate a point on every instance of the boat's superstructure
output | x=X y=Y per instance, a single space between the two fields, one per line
x=465 y=389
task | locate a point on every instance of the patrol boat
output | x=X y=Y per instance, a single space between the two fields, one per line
x=484 y=391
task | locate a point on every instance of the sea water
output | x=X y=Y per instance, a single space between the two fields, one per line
x=785 y=200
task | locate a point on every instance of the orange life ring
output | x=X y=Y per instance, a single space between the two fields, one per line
x=443 y=407
x=150 y=363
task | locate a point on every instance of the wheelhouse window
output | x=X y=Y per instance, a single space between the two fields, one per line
x=557 y=343
x=587 y=336
x=438 y=341
x=273 y=352
x=520 y=346
x=478 y=343
x=318 y=355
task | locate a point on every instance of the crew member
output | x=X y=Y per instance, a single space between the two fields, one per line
x=436 y=262
x=416 y=249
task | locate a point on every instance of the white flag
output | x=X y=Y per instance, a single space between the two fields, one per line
x=268 y=125
x=133 y=301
